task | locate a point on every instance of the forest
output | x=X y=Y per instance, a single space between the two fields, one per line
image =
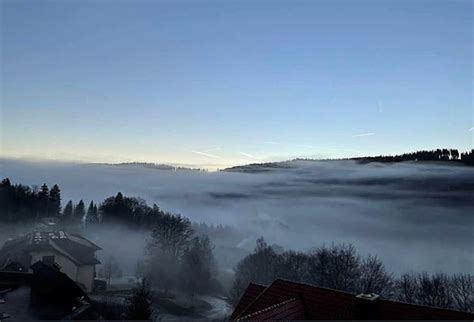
x=451 y=155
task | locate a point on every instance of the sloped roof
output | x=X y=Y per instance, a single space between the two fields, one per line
x=292 y=309
x=75 y=247
x=250 y=294
x=286 y=299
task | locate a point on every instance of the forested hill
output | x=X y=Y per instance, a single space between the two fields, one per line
x=156 y=166
x=438 y=155
x=451 y=155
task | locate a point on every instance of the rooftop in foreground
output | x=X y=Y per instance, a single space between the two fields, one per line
x=287 y=300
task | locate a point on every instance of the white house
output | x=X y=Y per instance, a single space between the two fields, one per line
x=71 y=253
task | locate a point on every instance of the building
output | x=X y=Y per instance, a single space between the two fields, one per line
x=72 y=254
x=286 y=300
x=43 y=294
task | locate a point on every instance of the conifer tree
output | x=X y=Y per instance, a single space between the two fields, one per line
x=79 y=212
x=91 y=217
x=55 y=201
x=67 y=211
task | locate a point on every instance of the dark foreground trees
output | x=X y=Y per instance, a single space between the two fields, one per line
x=140 y=303
x=20 y=203
x=179 y=259
x=340 y=267
x=439 y=289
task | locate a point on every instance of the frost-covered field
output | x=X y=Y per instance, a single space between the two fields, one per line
x=414 y=216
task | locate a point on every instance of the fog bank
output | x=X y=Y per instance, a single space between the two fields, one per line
x=413 y=216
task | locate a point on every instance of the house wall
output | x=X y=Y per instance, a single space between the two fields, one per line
x=67 y=266
x=85 y=276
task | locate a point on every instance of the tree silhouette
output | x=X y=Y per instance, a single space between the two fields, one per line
x=92 y=215
x=55 y=201
x=79 y=212
x=67 y=211
x=43 y=196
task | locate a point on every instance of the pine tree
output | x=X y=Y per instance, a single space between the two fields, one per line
x=91 y=217
x=44 y=192
x=55 y=200
x=79 y=212
x=96 y=213
x=6 y=182
x=43 y=196
x=67 y=211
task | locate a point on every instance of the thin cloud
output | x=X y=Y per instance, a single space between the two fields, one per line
x=363 y=134
x=212 y=149
x=247 y=155
x=212 y=156
x=471 y=129
x=271 y=142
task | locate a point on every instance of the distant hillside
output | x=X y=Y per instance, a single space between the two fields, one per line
x=445 y=155
x=156 y=166
x=438 y=155
x=260 y=167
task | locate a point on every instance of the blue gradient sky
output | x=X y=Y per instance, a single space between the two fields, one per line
x=218 y=83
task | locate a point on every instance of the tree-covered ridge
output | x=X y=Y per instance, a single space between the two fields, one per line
x=445 y=155
x=156 y=166
x=20 y=203
x=451 y=155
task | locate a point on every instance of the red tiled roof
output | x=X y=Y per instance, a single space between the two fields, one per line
x=252 y=291
x=277 y=301
x=292 y=309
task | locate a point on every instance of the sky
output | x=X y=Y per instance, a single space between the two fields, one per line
x=217 y=83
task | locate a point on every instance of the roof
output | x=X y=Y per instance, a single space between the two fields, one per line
x=287 y=300
x=292 y=309
x=250 y=294
x=75 y=247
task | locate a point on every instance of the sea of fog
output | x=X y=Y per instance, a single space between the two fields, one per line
x=414 y=216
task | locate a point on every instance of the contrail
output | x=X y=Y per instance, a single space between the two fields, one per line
x=213 y=156
x=363 y=134
x=247 y=155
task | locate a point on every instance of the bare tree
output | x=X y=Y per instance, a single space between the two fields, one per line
x=335 y=267
x=374 y=278
x=110 y=269
x=425 y=289
x=292 y=265
x=169 y=239
x=258 y=267
x=434 y=290
x=171 y=234
x=407 y=288
x=463 y=292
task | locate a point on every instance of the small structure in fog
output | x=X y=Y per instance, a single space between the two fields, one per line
x=70 y=253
